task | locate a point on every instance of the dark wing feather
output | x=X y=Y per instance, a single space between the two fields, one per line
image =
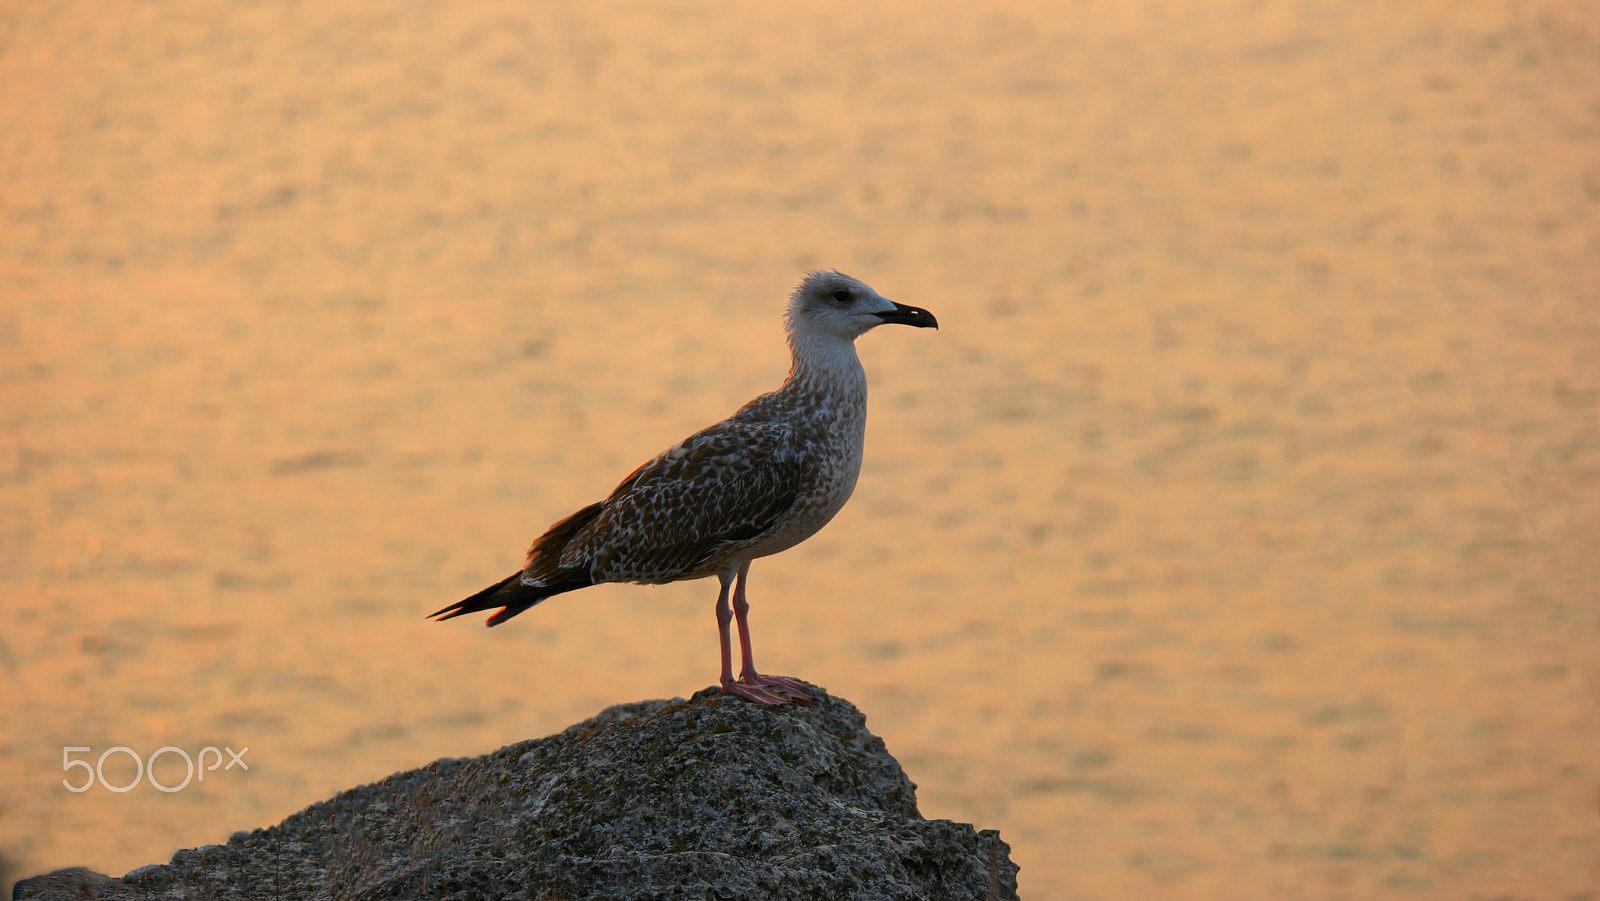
x=722 y=486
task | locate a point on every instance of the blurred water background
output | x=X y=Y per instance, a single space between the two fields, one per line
x=1235 y=537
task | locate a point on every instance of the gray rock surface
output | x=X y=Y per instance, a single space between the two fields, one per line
x=709 y=798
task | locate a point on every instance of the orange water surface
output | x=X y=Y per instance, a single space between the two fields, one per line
x=1237 y=536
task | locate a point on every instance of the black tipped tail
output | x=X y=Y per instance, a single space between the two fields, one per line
x=511 y=594
x=484 y=600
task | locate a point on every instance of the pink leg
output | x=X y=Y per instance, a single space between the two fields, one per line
x=725 y=616
x=744 y=689
x=785 y=688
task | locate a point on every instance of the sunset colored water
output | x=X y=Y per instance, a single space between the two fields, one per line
x=1234 y=537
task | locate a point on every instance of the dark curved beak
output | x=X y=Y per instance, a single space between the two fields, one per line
x=909 y=315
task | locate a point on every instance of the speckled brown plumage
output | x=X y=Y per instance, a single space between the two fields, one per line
x=757 y=483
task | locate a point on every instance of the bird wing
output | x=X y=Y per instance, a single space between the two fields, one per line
x=724 y=485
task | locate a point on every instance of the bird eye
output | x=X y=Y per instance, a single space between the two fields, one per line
x=842 y=296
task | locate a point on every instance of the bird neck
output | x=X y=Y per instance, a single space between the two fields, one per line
x=825 y=364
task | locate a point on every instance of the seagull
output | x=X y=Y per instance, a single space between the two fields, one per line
x=757 y=483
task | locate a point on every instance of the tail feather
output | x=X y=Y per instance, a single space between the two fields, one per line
x=510 y=594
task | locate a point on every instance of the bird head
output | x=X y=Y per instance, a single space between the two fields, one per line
x=835 y=305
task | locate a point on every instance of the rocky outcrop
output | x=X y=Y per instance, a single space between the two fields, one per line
x=709 y=798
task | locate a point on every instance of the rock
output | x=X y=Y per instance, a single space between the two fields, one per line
x=69 y=885
x=710 y=798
